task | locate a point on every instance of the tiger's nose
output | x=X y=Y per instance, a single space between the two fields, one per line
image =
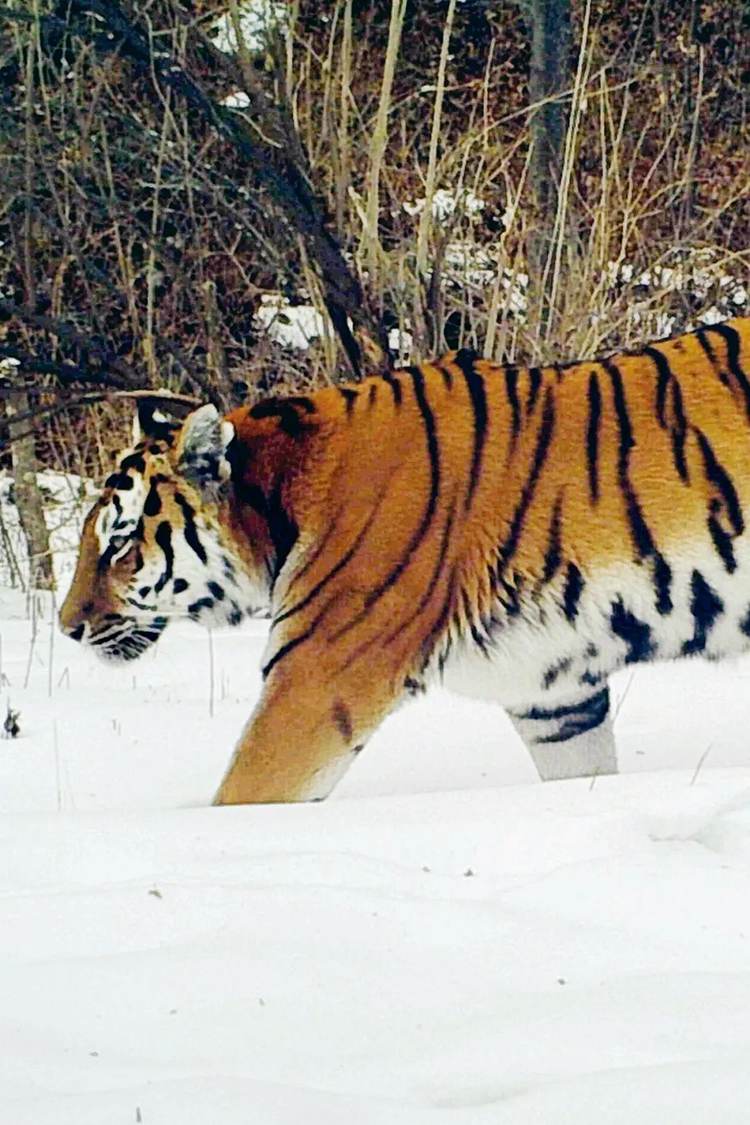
x=76 y=633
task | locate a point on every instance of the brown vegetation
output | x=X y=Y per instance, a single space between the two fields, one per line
x=143 y=221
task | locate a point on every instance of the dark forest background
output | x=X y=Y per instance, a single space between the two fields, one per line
x=536 y=179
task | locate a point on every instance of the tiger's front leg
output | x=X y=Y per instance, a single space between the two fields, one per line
x=308 y=727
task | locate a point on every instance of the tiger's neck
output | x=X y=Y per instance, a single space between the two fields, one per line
x=263 y=506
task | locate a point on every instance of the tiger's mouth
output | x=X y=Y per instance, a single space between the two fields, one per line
x=120 y=638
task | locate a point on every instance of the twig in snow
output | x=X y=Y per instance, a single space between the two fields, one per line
x=32 y=642
x=624 y=696
x=701 y=760
x=52 y=623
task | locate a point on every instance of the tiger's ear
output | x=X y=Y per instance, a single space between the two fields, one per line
x=202 y=449
x=149 y=422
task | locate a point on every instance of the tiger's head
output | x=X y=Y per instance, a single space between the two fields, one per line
x=158 y=543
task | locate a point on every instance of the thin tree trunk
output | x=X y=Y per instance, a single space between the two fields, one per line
x=28 y=497
x=550 y=74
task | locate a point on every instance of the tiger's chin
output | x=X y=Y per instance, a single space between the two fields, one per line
x=128 y=640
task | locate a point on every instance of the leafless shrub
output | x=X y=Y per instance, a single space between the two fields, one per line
x=141 y=240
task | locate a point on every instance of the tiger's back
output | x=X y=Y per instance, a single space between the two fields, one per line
x=524 y=532
x=559 y=496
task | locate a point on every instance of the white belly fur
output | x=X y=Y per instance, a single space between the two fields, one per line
x=519 y=668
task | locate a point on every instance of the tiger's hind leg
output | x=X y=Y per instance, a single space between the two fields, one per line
x=570 y=740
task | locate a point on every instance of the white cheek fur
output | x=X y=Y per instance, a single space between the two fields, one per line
x=121 y=515
x=175 y=581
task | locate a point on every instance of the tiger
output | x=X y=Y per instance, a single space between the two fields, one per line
x=519 y=533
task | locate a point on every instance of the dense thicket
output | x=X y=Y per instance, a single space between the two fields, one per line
x=142 y=226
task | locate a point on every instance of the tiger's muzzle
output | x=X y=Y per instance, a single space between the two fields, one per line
x=117 y=637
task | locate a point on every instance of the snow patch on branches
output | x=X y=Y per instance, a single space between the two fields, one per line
x=257 y=17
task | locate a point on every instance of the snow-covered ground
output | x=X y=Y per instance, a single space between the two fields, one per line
x=443 y=942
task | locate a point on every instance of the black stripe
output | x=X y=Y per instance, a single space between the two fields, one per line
x=339 y=566
x=566 y=710
x=163 y=538
x=509 y=592
x=195 y=607
x=553 y=673
x=592 y=435
x=642 y=538
x=679 y=431
x=677 y=427
x=373 y=394
x=427 y=647
x=722 y=540
x=478 y=639
x=447 y=375
x=105 y=558
x=298 y=640
x=635 y=633
x=332 y=530
x=731 y=338
x=433 y=452
x=623 y=420
x=289 y=412
x=120 y=481
x=664 y=378
x=718 y=476
x=134 y=461
x=573 y=589
x=282 y=528
x=588 y=717
x=662 y=584
x=434 y=457
x=152 y=505
x=349 y=396
x=573 y=719
x=705 y=606
x=535 y=382
x=553 y=554
x=544 y=437
x=191 y=532
x=251 y=495
x=511 y=389
x=705 y=343
x=466 y=361
x=395 y=386
x=442 y=558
